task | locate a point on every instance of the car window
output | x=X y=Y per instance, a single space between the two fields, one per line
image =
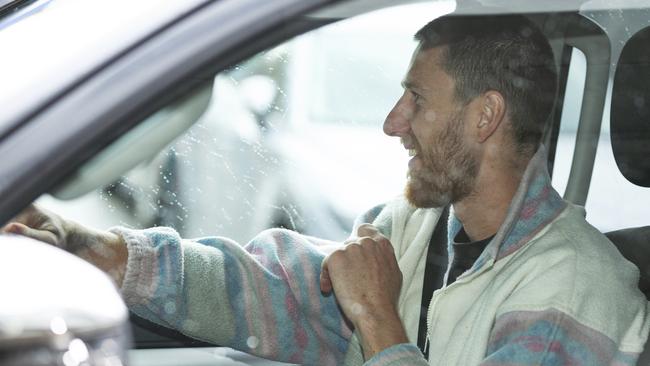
x=267 y=140
x=270 y=150
x=569 y=119
x=606 y=176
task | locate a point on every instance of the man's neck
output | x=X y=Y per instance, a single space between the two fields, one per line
x=484 y=210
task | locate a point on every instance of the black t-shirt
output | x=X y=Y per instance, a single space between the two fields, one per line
x=466 y=253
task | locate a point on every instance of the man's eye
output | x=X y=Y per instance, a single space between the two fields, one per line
x=416 y=97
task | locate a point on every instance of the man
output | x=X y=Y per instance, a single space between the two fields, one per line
x=528 y=281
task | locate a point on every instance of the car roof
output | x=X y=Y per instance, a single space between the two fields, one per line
x=49 y=51
x=345 y=9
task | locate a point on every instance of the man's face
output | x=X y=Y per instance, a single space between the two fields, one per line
x=431 y=125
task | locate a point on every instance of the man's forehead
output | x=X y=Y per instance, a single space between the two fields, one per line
x=428 y=57
x=425 y=63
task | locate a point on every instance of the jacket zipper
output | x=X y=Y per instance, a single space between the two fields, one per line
x=436 y=297
x=432 y=303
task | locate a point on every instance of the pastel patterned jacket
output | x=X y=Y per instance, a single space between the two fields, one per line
x=549 y=289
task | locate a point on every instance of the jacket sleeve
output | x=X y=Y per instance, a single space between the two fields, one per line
x=551 y=337
x=405 y=354
x=543 y=335
x=565 y=311
x=263 y=298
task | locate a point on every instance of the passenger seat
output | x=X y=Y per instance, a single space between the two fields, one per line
x=630 y=135
x=634 y=245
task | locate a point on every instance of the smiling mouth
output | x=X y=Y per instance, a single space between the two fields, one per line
x=412 y=151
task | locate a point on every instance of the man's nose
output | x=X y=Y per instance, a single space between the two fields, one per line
x=397 y=122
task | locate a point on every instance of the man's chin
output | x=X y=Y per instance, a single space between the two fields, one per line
x=421 y=197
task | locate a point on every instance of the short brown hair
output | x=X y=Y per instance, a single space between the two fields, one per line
x=506 y=53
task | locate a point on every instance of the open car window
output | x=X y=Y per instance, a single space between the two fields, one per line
x=269 y=145
x=268 y=149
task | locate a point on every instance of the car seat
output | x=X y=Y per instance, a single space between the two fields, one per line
x=630 y=134
x=634 y=245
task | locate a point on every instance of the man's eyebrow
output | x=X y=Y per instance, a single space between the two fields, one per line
x=407 y=84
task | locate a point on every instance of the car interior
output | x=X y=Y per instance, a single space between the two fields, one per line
x=630 y=134
x=630 y=129
x=625 y=76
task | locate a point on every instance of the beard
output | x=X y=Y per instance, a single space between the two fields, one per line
x=448 y=170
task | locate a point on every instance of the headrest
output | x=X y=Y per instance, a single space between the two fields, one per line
x=630 y=110
x=634 y=245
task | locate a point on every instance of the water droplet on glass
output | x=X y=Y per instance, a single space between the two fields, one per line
x=78 y=350
x=170 y=307
x=252 y=342
x=58 y=326
x=357 y=308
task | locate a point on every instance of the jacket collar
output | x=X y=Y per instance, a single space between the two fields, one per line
x=535 y=204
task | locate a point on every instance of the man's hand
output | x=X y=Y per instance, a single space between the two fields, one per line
x=366 y=280
x=101 y=248
x=41 y=225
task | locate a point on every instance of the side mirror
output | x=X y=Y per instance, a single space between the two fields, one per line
x=57 y=308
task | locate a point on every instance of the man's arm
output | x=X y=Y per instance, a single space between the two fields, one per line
x=551 y=337
x=262 y=298
x=200 y=288
x=366 y=280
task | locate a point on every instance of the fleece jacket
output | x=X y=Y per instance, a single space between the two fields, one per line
x=549 y=289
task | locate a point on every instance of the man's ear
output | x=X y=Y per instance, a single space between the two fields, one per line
x=492 y=111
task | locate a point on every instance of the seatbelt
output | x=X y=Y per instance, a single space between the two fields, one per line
x=436 y=260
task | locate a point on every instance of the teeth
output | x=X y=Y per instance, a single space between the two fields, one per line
x=412 y=152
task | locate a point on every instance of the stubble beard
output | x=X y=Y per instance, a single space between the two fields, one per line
x=448 y=172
